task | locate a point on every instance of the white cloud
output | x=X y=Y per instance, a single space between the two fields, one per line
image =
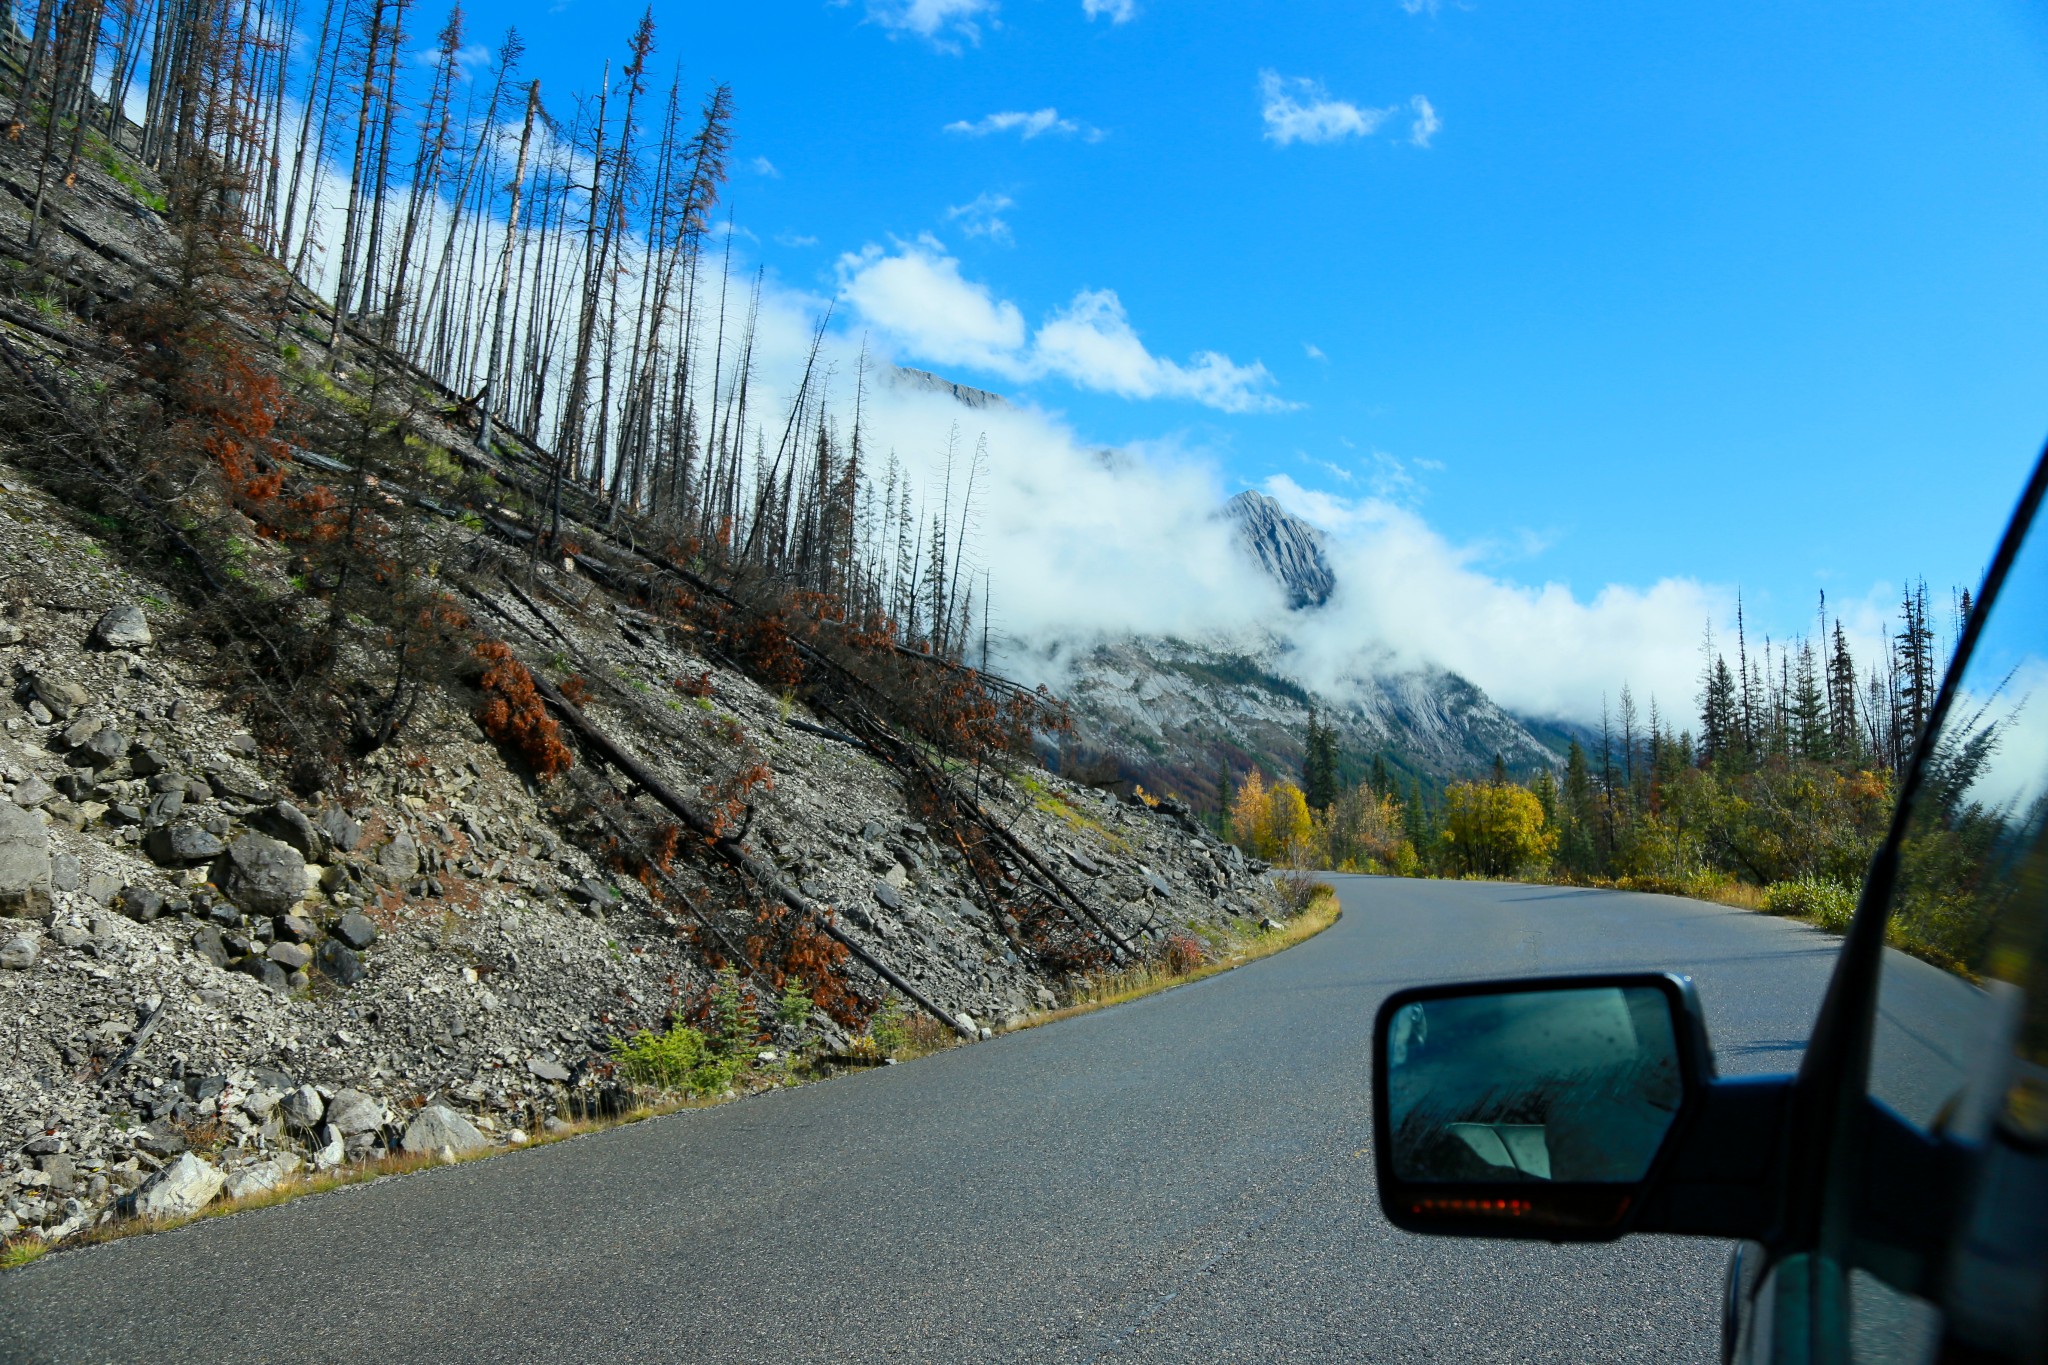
x=1426 y=122
x=1025 y=125
x=1298 y=109
x=918 y=297
x=1541 y=650
x=1116 y=11
x=1080 y=548
x=1313 y=351
x=1420 y=6
x=981 y=217
x=1091 y=343
x=763 y=166
x=942 y=23
x=794 y=239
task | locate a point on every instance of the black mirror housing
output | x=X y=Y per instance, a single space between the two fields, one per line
x=1542 y=1108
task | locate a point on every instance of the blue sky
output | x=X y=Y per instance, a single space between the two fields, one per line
x=1750 y=294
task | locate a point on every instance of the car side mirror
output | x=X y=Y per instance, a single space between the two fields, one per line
x=1540 y=1109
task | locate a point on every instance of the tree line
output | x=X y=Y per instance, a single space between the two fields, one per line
x=556 y=264
x=1783 y=774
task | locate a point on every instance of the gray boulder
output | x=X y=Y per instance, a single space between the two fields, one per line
x=261 y=1177
x=101 y=749
x=357 y=930
x=341 y=831
x=123 y=627
x=274 y=978
x=179 y=1190
x=32 y=792
x=160 y=1140
x=140 y=904
x=288 y=823
x=888 y=895
x=293 y=957
x=59 y=695
x=24 y=864
x=239 y=785
x=263 y=876
x=351 y=1112
x=302 y=1108
x=184 y=843
x=18 y=954
x=206 y=942
x=296 y=929
x=338 y=961
x=437 y=1127
x=399 y=859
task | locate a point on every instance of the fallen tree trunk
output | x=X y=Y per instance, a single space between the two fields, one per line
x=730 y=849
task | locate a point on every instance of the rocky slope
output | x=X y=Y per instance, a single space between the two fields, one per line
x=195 y=960
x=214 y=971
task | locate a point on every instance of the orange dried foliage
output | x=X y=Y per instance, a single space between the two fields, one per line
x=576 y=690
x=786 y=945
x=513 y=714
x=729 y=798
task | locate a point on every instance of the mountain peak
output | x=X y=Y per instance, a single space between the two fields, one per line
x=1287 y=547
x=924 y=381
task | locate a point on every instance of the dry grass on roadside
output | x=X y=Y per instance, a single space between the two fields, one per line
x=1103 y=989
x=28 y=1248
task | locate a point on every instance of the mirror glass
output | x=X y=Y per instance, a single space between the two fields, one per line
x=1577 y=1084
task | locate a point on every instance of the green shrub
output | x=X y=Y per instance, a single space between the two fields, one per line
x=733 y=1016
x=795 y=1006
x=1828 y=904
x=678 y=1060
x=887 y=1028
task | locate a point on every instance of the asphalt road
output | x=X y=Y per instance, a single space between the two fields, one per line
x=1185 y=1178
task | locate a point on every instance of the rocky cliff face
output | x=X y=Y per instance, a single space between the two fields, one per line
x=212 y=980
x=924 y=381
x=1286 y=547
x=1170 y=713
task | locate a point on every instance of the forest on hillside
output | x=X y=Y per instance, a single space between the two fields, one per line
x=553 y=263
x=1774 y=793
x=322 y=298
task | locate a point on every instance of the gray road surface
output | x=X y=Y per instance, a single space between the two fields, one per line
x=1186 y=1178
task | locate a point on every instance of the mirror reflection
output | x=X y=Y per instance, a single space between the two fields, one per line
x=1578 y=1084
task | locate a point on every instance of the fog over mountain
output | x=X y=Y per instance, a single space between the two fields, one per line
x=1356 y=601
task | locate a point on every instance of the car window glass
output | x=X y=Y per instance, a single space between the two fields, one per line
x=1961 y=981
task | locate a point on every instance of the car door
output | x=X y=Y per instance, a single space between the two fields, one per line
x=1915 y=1223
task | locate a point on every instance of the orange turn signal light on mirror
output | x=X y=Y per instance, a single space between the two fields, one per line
x=1493 y=1208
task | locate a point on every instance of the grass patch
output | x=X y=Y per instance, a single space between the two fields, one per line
x=21 y=1250
x=1048 y=802
x=1100 y=990
x=124 y=175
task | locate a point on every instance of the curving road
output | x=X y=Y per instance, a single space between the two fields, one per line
x=1185 y=1178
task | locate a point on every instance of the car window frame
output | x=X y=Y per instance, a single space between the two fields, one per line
x=1826 y=1134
